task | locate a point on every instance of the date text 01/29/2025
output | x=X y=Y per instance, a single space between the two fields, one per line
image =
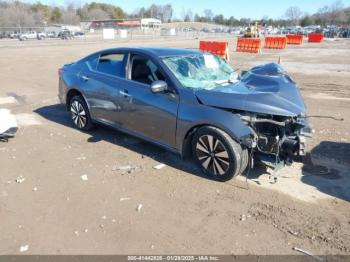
x=173 y=258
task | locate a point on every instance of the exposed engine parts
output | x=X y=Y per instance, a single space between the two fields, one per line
x=279 y=139
x=254 y=119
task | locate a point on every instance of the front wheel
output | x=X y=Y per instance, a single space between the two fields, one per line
x=216 y=153
x=80 y=113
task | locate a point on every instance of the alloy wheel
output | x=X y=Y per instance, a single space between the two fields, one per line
x=78 y=114
x=212 y=155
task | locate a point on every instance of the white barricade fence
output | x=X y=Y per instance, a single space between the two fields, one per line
x=108 y=34
x=123 y=34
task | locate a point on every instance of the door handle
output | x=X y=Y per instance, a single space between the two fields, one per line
x=124 y=93
x=85 y=78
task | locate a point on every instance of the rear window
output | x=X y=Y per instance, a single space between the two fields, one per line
x=111 y=64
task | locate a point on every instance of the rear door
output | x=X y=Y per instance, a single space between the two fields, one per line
x=102 y=79
x=148 y=114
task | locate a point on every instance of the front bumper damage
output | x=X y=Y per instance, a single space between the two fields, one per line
x=277 y=141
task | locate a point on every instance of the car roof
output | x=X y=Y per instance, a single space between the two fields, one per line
x=156 y=51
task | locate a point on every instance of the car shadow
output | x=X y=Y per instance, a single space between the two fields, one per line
x=327 y=168
x=57 y=113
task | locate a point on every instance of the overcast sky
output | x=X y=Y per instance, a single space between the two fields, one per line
x=238 y=8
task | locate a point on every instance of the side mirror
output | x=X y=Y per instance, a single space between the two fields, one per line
x=243 y=72
x=159 y=86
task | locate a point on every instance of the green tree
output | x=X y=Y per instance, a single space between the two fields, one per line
x=208 y=14
x=115 y=12
x=232 y=21
x=56 y=15
x=306 y=21
x=219 y=19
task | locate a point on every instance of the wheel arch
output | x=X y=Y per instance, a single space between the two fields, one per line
x=186 y=143
x=72 y=93
x=186 y=151
x=192 y=116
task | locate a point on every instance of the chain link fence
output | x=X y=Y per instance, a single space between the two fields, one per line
x=125 y=34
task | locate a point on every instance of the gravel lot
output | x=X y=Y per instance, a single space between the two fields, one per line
x=76 y=198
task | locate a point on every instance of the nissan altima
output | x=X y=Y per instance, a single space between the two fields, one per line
x=192 y=103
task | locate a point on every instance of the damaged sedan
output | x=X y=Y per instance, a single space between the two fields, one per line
x=192 y=103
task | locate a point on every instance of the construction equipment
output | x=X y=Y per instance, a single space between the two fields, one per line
x=252 y=31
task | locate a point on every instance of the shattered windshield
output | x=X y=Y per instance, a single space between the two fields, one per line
x=201 y=71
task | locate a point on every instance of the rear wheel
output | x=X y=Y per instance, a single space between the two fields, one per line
x=216 y=153
x=80 y=113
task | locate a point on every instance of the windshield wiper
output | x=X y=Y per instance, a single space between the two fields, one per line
x=226 y=81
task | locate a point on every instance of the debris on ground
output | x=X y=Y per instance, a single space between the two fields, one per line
x=8 y=125
x=139 y=207
x=84 y=178
x=160 y=166
x=20 y=179
x=24 y=248
x=293 y=232
x=273 y=179
x=81 y=158
x=124 y=199
x=127 y=169
x=307 y=253
x=243 y=217
x=35 y=189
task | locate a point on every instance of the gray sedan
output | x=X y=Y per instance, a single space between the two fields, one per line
x=192 y=103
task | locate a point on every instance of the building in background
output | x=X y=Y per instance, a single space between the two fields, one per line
x=150 y=23
x=143 y=23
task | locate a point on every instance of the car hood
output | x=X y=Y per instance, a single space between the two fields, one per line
x=265 y=89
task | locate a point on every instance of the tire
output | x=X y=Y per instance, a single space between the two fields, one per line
x=216 y=153
x=80 y=113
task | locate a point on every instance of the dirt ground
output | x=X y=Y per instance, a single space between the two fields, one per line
x=46 y=206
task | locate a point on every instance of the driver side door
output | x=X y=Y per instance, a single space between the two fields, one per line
x=147 y=114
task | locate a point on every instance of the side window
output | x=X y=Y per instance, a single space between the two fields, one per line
x=143 y=70
x=92 y=62
x=111 y=64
